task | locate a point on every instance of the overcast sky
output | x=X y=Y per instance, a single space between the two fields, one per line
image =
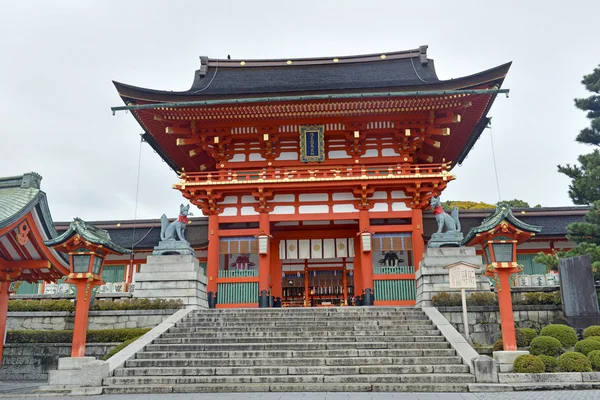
x=59 y=57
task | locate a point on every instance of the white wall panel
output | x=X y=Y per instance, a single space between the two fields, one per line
x=321 y=209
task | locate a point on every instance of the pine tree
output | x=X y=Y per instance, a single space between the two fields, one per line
x=585 y=184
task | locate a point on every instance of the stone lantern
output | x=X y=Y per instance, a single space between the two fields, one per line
x=499 y=234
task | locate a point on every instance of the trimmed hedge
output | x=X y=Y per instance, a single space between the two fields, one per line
x=525 y=336
x=565 y=334
x=498 y=346
x=93 y=336
x=118 y=348
x=100 y=305
x=528 y=364
x=586 y=346
x=542 y=298
x=482 y=299
x=574 y=362
x=597 y=338
x=594 y=357
x=591 y=331
x=446 y=299
x=546 y=345
x=550 y=363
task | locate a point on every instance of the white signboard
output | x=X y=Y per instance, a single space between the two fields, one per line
x=462 y=276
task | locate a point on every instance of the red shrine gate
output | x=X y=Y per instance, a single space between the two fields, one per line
x=313 y=172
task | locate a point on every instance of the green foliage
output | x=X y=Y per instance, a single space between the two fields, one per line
x=525 y=336
x=498 y=345
x=40 y=305
x=467 y=205
x=574 y=362
x=445 y=299
x=565 y=334
x=118 y=349
x=549 y=260
x=101 y=305
x=546 y=345
x=597 y=338
x=542 y=298
x=594 y=357
x=528 y=364
x=515 y=203
x=482 y=299
x=585 y=346
x=93 y=336
x=550 y=363
x=593 y=330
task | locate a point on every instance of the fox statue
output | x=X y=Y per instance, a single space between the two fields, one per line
x=451 y=221
x=176 y=229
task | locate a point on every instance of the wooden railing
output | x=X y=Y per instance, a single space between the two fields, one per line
x=402 y=269
x=308 y=173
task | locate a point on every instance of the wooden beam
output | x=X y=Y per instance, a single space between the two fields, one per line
x=433 y=143
x=451 y=118
x=437 y=131
x=187 y=141
x=175 y=130
x=25 y=264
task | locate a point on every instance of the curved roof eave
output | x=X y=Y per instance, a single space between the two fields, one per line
x=134 y=93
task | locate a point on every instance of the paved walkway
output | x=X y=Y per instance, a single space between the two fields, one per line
x=552 y=395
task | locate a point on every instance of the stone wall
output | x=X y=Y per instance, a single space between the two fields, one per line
x=61 y=320
x=484 y=321
x=32 y=361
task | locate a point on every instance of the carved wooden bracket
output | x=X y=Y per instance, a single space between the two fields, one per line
x=263 y=196
x=267 y=135
x=363 y=194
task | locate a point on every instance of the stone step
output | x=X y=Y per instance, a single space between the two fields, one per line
x=385 y=378
x=302 y=328
x=289 y=387
x=310 y=311
x=297 y=354
x=335 y=318
x=298 y=346
x=186 y=333
x=295 y=370
x=301 y=361
x=321 y=323
x=253 y=340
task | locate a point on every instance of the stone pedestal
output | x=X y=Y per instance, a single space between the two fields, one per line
x=506 y=359
x=78 y=375
x=432 y=278
x=177 y=277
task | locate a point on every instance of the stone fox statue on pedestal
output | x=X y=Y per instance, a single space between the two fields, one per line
x=169 y=231
x=451 y=221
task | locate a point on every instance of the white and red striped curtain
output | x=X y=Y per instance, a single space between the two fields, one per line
x=294 y=249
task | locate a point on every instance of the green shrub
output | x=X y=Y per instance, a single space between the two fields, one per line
x=565 y=334
x=446 y=299
x=590 y=331
x=594 y=338
x=594 y=357
x=498 y=345
x=93 y=336
x=587 y=345
x=528 y=364
x=542 y=298
x=546 y=345
x=574 y=362
x=482 y=299
x=100 y=305
x=525 y=336
x=118 y=348
x=550 y=363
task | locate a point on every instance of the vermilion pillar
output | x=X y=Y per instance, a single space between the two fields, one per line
x=275 y=269
x=264 y=262
x=358 y=285
x=82 y=310
x=212 y=261
x=509 y=338
x=417 y=237
x=366 y=261
x=4 y=294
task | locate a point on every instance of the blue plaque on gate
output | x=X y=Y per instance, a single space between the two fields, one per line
x=312 y=143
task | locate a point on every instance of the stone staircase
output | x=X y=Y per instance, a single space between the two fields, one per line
x=314 y=349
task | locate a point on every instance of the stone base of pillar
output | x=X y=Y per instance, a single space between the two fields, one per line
x=177 y=277
x=433 y=278
x=79 y=375
x=263 y=299
x=212 y=299
x=368 y=299
x=506 y=359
